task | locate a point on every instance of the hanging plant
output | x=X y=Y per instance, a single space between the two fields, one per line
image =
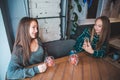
x=78 y=5
x=75 y=14
x=75 y=19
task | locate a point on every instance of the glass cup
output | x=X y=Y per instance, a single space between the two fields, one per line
x=73 y=59
x=49 y=60
x=86 y=39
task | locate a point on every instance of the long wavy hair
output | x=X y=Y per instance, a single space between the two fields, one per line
x=105 y=33
x=23 y=38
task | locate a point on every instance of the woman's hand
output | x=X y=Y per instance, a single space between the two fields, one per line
x=87 y=47
x=42 y=67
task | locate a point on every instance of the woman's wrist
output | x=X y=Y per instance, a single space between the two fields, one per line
x=42 y=67
x=92 y=51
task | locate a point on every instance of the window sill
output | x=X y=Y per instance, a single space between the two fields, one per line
x=92 y=21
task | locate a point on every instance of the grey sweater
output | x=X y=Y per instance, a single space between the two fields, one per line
x=16 y=69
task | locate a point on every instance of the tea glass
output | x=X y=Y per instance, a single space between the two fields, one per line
x=86 y=39
x=73 y=59
x=49 y=60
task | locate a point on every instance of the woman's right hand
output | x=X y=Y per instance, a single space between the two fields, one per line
x=87 y=47
x=42 y=67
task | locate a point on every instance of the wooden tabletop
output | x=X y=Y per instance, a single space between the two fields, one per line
x=88 y=68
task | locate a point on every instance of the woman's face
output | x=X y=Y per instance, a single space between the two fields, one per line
x=33 y=29
x=98 y=26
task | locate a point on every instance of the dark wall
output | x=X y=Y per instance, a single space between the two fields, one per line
x=92 y=10
x=115 y=29
x=79 y=30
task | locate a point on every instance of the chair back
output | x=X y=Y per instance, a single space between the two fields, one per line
x=59 y=48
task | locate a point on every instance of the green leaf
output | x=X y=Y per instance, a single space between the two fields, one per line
x=76 y=1
x=76 y=24
x=79 y=8
x=70 y=6
x=78 y=5
x=76 y=16
x=73 y=29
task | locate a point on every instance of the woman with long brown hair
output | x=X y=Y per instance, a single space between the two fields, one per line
x=27 y=50
x=94 y=41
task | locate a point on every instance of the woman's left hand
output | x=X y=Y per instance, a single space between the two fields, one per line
x=87 y=47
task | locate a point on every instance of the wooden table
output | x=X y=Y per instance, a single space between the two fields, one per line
x=88 y=68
